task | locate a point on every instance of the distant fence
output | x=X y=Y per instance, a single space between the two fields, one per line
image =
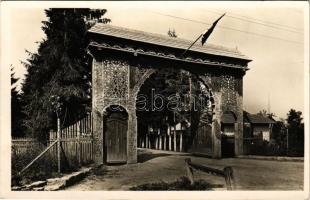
x=76 y=142
x=22 y=145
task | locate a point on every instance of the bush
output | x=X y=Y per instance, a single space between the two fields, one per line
x=181 y=184
x=264 y=148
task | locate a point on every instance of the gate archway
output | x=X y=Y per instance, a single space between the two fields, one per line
x=191 y=126
x=123 y=59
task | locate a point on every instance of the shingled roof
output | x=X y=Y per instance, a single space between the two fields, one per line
x=163 y=40
x=257 y=119
x=228 y=118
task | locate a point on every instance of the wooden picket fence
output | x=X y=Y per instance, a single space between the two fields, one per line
x=76 y=142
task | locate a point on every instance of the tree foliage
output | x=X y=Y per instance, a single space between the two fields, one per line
x=295 y=127
x=265 y=113
x=61 y=67
x=294 y=118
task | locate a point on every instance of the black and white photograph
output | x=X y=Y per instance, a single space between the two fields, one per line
x=200 y=98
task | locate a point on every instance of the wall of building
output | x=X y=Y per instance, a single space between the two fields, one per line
x=261 y=131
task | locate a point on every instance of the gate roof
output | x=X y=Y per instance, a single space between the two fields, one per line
x=166 y=41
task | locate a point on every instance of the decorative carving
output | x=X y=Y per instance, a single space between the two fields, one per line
x=141 y=74
x=116 y=82
x=228 y=90
x=169 y=55
x=206 y=78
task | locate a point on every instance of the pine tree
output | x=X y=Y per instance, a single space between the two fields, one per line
x=16 y=115
x=61 y=68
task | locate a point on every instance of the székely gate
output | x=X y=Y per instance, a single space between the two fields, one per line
x=123 y=59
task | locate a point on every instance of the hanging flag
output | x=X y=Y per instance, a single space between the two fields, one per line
x=204 y=36
x=209 y=31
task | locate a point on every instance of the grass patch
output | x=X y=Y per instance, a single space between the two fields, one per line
x=182 y=183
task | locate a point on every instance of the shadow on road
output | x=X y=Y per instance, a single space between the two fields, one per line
x=145 y=156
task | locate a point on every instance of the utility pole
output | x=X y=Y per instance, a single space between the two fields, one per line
x=58 y=143
x=268 y=109
x=287 y=141
x=57 y=106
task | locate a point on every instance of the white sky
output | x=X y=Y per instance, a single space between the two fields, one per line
x=277 y=68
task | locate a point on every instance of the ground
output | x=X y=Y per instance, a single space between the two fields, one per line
x=155 y=166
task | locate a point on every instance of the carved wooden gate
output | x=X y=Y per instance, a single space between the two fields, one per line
x=116 y=138
x=123 y=59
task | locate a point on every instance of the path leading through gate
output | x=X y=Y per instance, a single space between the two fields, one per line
x=155 y=166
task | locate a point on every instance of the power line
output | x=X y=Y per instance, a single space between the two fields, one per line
x=228 y=28
x=255 y=22
x=263 y=21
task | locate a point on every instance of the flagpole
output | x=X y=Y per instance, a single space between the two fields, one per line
x=191 y=45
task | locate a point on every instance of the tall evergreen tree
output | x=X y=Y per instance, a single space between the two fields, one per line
x=16 y=114
x=60 y=68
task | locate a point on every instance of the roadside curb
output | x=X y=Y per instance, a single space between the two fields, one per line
x=274 y=158
x=54 y=184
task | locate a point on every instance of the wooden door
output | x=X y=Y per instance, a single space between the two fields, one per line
x=116 y=138
x=202 y=143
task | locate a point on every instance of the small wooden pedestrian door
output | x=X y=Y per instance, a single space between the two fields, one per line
x=116 y=138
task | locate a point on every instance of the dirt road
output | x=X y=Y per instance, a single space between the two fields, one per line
x=155 y=166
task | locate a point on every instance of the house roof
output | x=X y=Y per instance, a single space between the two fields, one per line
x=257 y=119
x=228 y=118
x=166 y=41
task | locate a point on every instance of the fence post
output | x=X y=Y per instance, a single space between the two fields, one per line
x=228 y=172
x=58 y=144
x=157 y=142
x=181 y=141
x=79 y=141
x=189 y=170
x=142 y=141
x=175 y=139
x=147 y=141
x=165 y=141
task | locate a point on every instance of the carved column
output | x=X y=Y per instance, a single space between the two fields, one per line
x=132 y=137
x=216 y=127
x=97 y=102
x=98 y=137
x=239 y=126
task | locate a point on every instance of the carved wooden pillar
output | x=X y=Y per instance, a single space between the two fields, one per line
x=132 y=137
x=170 y=141
x=175 y=139
x=98 y=144
x=156 y=142
x=239 y=127
x=181 y=141
x=216 y=127
x=165 y=141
